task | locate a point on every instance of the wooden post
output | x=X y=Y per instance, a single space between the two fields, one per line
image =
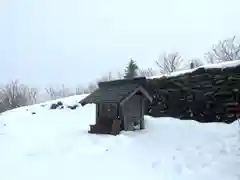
x=97 y=112
x=142 y=122
x=116 y=127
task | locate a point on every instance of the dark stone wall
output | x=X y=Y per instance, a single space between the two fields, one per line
x=205 y=95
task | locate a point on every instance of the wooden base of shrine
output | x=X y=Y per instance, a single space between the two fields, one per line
x=100 y=128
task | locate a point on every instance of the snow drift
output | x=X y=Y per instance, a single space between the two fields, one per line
x=40 y=143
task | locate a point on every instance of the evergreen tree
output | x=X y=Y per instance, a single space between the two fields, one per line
x=131 y=70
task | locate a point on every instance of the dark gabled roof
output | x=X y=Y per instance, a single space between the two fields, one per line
x=109 y=95
x=114 y=92
x=139 y=81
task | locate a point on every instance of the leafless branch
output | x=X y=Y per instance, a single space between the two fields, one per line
x=15 y=95
x=194 y=63
x=61 y=92
x=147 y=72
x=226 y=50
x=169 y=63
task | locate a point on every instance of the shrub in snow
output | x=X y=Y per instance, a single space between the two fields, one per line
x=54 y=106
x=59 y=104
x=15 y=95
x=73 y=107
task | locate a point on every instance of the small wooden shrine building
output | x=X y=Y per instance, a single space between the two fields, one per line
x=120 y=105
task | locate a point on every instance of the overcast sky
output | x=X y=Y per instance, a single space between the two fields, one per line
x=45 y=42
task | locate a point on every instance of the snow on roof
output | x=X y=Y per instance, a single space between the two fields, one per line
x=208 y=66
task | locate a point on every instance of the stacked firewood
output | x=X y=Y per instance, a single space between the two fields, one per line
x=205 y=95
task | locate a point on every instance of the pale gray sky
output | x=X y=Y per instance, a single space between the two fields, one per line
x=73 y=42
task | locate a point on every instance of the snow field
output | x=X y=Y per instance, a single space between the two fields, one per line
x=54 y=144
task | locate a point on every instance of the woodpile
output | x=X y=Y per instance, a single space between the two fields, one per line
x=205 y=95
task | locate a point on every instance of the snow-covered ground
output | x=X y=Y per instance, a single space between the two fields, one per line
x=54 y=144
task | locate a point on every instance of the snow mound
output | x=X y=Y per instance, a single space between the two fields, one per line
x=54 y=144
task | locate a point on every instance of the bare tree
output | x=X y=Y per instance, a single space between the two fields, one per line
x=169 y=63
x=91 y=87
x=194 y=63
x=147 y=72
x=226 y=50
x=107 y=77
x=86 y=90
x=120 y=75
x=15 y=95
x=79 y=90
x=61 y=92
